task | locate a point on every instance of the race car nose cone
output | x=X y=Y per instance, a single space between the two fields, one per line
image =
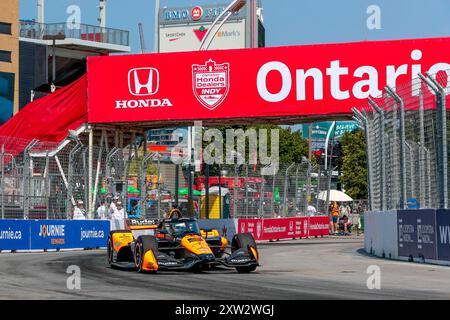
x=207 y=257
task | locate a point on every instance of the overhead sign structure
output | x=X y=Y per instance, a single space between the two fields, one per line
x=188 y=38
x=183 y=28
x=278 y=83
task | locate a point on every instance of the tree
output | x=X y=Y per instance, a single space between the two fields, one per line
x=354 y=164
x=292 y=146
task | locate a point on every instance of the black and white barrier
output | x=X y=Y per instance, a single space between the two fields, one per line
x=411 y=235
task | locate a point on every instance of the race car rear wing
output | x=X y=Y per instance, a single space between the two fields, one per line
x=144 y=224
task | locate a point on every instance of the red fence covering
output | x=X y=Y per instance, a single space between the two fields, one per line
x=48 y=119
x=285 y=228
x=247 y=84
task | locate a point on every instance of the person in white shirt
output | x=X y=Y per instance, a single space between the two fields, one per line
x=119 y=212
x=101 y=211
x=311 y=210
x=113 y=206
x=79 y=213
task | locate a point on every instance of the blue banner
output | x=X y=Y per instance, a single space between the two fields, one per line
x=65 y=234
x=417 y=233
x=14 y=235
x=443 y=234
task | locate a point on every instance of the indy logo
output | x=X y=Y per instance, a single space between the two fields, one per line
x=210 y=83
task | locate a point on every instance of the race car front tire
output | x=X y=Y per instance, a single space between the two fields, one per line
x=110 y=246
x=244 y=241
x=143 y=245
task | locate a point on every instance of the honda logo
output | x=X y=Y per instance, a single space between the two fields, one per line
x=143 y=81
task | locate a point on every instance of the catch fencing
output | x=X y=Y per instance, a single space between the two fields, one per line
x=406 y=140
x=46 y=180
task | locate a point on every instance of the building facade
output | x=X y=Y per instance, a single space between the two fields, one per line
x=9 y=59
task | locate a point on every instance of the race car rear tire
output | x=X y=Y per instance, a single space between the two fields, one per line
x=243 y=241
x=109 y=247
x=144 y=244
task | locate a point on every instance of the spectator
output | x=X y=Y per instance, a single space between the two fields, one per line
x=119 y=211
x=345 y=224
x=113 y=206
x=311 y=210
x=79 y=213
x=335 y=216
x=101 y=210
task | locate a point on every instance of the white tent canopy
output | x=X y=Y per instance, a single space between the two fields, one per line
x=335 y=195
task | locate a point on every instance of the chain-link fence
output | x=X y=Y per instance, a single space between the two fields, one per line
x=48 y=181
x=406 y=138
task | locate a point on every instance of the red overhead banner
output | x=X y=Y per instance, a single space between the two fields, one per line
x=278 y=82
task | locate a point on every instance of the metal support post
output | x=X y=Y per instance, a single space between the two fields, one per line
x=90 y=173
x=206 y=191
x=286 y=179
x=2 y=182
x=441 y=138
x=235 y=190
x=366 y=124
x=382 y=155
x=399 y=100
x=421 y=152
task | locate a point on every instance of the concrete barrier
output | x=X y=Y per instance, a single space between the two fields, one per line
x=410 y=235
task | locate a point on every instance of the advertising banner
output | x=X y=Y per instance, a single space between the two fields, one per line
x=318 y=226
x=14 y=235
x=284 y=228
x=443 y=234
x=276 y=82
x=189 y=37
x=417 y=233
x=65 y=234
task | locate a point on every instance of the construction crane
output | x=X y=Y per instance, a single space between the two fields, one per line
x=141 y=35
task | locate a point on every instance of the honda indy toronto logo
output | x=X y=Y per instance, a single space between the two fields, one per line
x=210 y=83
x=143 y=83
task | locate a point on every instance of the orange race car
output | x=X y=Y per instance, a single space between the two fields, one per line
x=179 y=244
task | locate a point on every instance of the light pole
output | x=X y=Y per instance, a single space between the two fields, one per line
x=54 y=37
x=233 y=7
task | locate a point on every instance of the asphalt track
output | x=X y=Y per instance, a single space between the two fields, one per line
x=304 y=269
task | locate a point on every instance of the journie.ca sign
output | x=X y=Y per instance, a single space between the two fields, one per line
x=279 y=82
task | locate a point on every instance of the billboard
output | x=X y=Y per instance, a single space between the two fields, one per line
x=184 y=28
x=178 y=38
x=278 y=82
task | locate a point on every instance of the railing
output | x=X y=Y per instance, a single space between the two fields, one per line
x=35 y=30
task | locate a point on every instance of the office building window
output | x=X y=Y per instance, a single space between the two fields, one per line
x=5 y=56
x=5 y=28
x=6 y=96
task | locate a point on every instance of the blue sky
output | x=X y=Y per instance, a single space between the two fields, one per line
x=287 y=22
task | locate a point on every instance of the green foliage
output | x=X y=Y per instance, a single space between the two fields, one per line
x=354 y=164
x=292 y=146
